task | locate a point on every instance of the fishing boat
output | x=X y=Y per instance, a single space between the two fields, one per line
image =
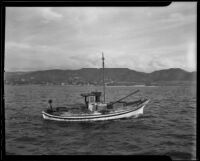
x=94 y=109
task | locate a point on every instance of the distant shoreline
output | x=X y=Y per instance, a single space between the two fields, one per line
x=159 y=85
x=92 y=76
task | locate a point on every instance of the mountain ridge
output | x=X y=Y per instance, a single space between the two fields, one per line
x=94 y=76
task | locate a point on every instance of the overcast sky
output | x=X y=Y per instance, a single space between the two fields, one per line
x=140 y=38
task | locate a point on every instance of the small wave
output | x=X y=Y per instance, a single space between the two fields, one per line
x=181 y=136
x=192 y=107
x=10 y=153
x=26 y=139
x=147 y=116
x=179 y=155
x=184 y=111
x=170 y=143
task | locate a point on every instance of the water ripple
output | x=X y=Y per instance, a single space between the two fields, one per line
x=167 y=127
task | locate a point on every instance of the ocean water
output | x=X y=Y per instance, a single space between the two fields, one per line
x=167 y=127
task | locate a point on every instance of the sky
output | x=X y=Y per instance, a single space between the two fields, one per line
x=139 y=38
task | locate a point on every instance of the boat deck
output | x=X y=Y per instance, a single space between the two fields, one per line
x=119 y=107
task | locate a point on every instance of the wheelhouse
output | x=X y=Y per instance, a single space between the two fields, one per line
x=92 y=100
x=93 y=97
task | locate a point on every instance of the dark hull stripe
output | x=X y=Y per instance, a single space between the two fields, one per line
x=95 y=117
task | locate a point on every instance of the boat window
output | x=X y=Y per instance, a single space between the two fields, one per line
x=92 y=99
x=97 y=98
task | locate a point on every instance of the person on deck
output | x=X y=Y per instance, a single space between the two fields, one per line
x=50 y=108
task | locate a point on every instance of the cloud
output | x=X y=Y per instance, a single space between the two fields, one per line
x=9 y=45
x=191 y=56
x=48 y=14
x=145 y=39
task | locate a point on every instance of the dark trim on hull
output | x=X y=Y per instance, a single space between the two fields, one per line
x=97 y=117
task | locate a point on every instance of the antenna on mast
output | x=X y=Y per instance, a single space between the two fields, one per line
x=104 y=97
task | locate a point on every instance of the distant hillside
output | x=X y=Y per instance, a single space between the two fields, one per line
x=94 y=76
x=172 y=74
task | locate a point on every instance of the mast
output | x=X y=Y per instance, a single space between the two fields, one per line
x=104 y=87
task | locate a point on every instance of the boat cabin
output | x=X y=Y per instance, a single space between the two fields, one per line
x=93 y=100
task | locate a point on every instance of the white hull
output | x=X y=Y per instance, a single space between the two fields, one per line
x=98 y=117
